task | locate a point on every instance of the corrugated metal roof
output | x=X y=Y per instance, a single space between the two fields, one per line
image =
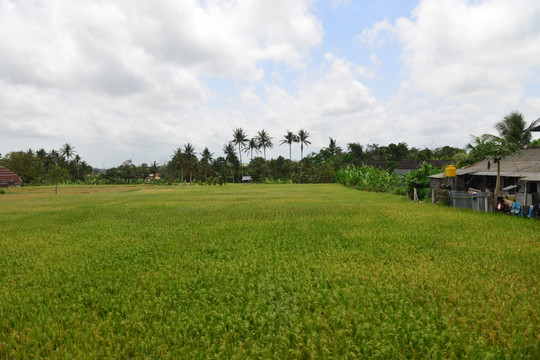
x=526 y=165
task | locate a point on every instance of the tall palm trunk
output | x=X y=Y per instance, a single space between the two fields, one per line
x=301 y=158
x=290 y=152
x=240 y=155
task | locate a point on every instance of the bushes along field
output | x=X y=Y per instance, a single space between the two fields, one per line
x=261 y=271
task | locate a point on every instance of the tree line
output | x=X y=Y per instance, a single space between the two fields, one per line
x=41 y=166
x=188 y=166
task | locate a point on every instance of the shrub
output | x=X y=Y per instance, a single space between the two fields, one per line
x=419 y=179
x=368 y=178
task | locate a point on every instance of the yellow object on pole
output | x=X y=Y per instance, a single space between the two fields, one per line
x=450 y=171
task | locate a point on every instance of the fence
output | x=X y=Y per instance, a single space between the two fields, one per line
x=475 y=200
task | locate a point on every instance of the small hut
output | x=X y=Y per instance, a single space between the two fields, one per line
x=8 y=178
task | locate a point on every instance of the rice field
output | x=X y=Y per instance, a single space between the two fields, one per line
x=261 y=271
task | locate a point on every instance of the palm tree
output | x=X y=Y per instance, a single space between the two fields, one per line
x=54 y=158
x=154 y=167
x=206 y=159
x=289 y=138
x=189 y=153
x=496 y=148
x=240 y=139
x=178 y=157
x=473 y=156
x=67 y=151
x=514 y=129
x=265 y=141
x=332 y=148
x=230 y=155
x=41 y=153
x=76 y=161
x=253 y=145
x=303 y=140
x=85 y=169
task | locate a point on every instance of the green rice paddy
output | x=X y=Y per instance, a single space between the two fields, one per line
x=261 y=271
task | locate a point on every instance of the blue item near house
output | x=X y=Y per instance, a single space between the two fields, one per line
x=516 y=209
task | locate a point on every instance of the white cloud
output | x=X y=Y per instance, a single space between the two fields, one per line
x=373 y=35
x=456 y=49
x=132 y=73
x=467 y=63
x=533 y=104
x=332 y=100
x=59 y=42
x=131 y=79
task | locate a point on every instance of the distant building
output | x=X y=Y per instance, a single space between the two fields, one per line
x=8 y=178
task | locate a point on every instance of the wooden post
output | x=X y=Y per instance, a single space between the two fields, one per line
x=433 y=196
x=415 y=195
x=525 y=195
x=486 y=203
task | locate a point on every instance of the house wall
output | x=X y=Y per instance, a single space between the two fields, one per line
x=533 y=193
x=10 y=184
x=487 y=183
x=436 y=186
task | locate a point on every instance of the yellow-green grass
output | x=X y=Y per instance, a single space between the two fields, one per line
x=261 y=271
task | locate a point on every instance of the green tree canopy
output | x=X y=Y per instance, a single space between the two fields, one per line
x=514 y=129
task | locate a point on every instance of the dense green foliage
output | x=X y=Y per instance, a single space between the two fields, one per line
x=261 y=271
x=37 y=167
x=514 y=129
x=368 y=178
x=419 y=180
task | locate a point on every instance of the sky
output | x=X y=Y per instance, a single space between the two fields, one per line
x=136 y=79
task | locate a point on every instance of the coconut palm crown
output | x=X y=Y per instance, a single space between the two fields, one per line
x=289 y=138
x=514 y=129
